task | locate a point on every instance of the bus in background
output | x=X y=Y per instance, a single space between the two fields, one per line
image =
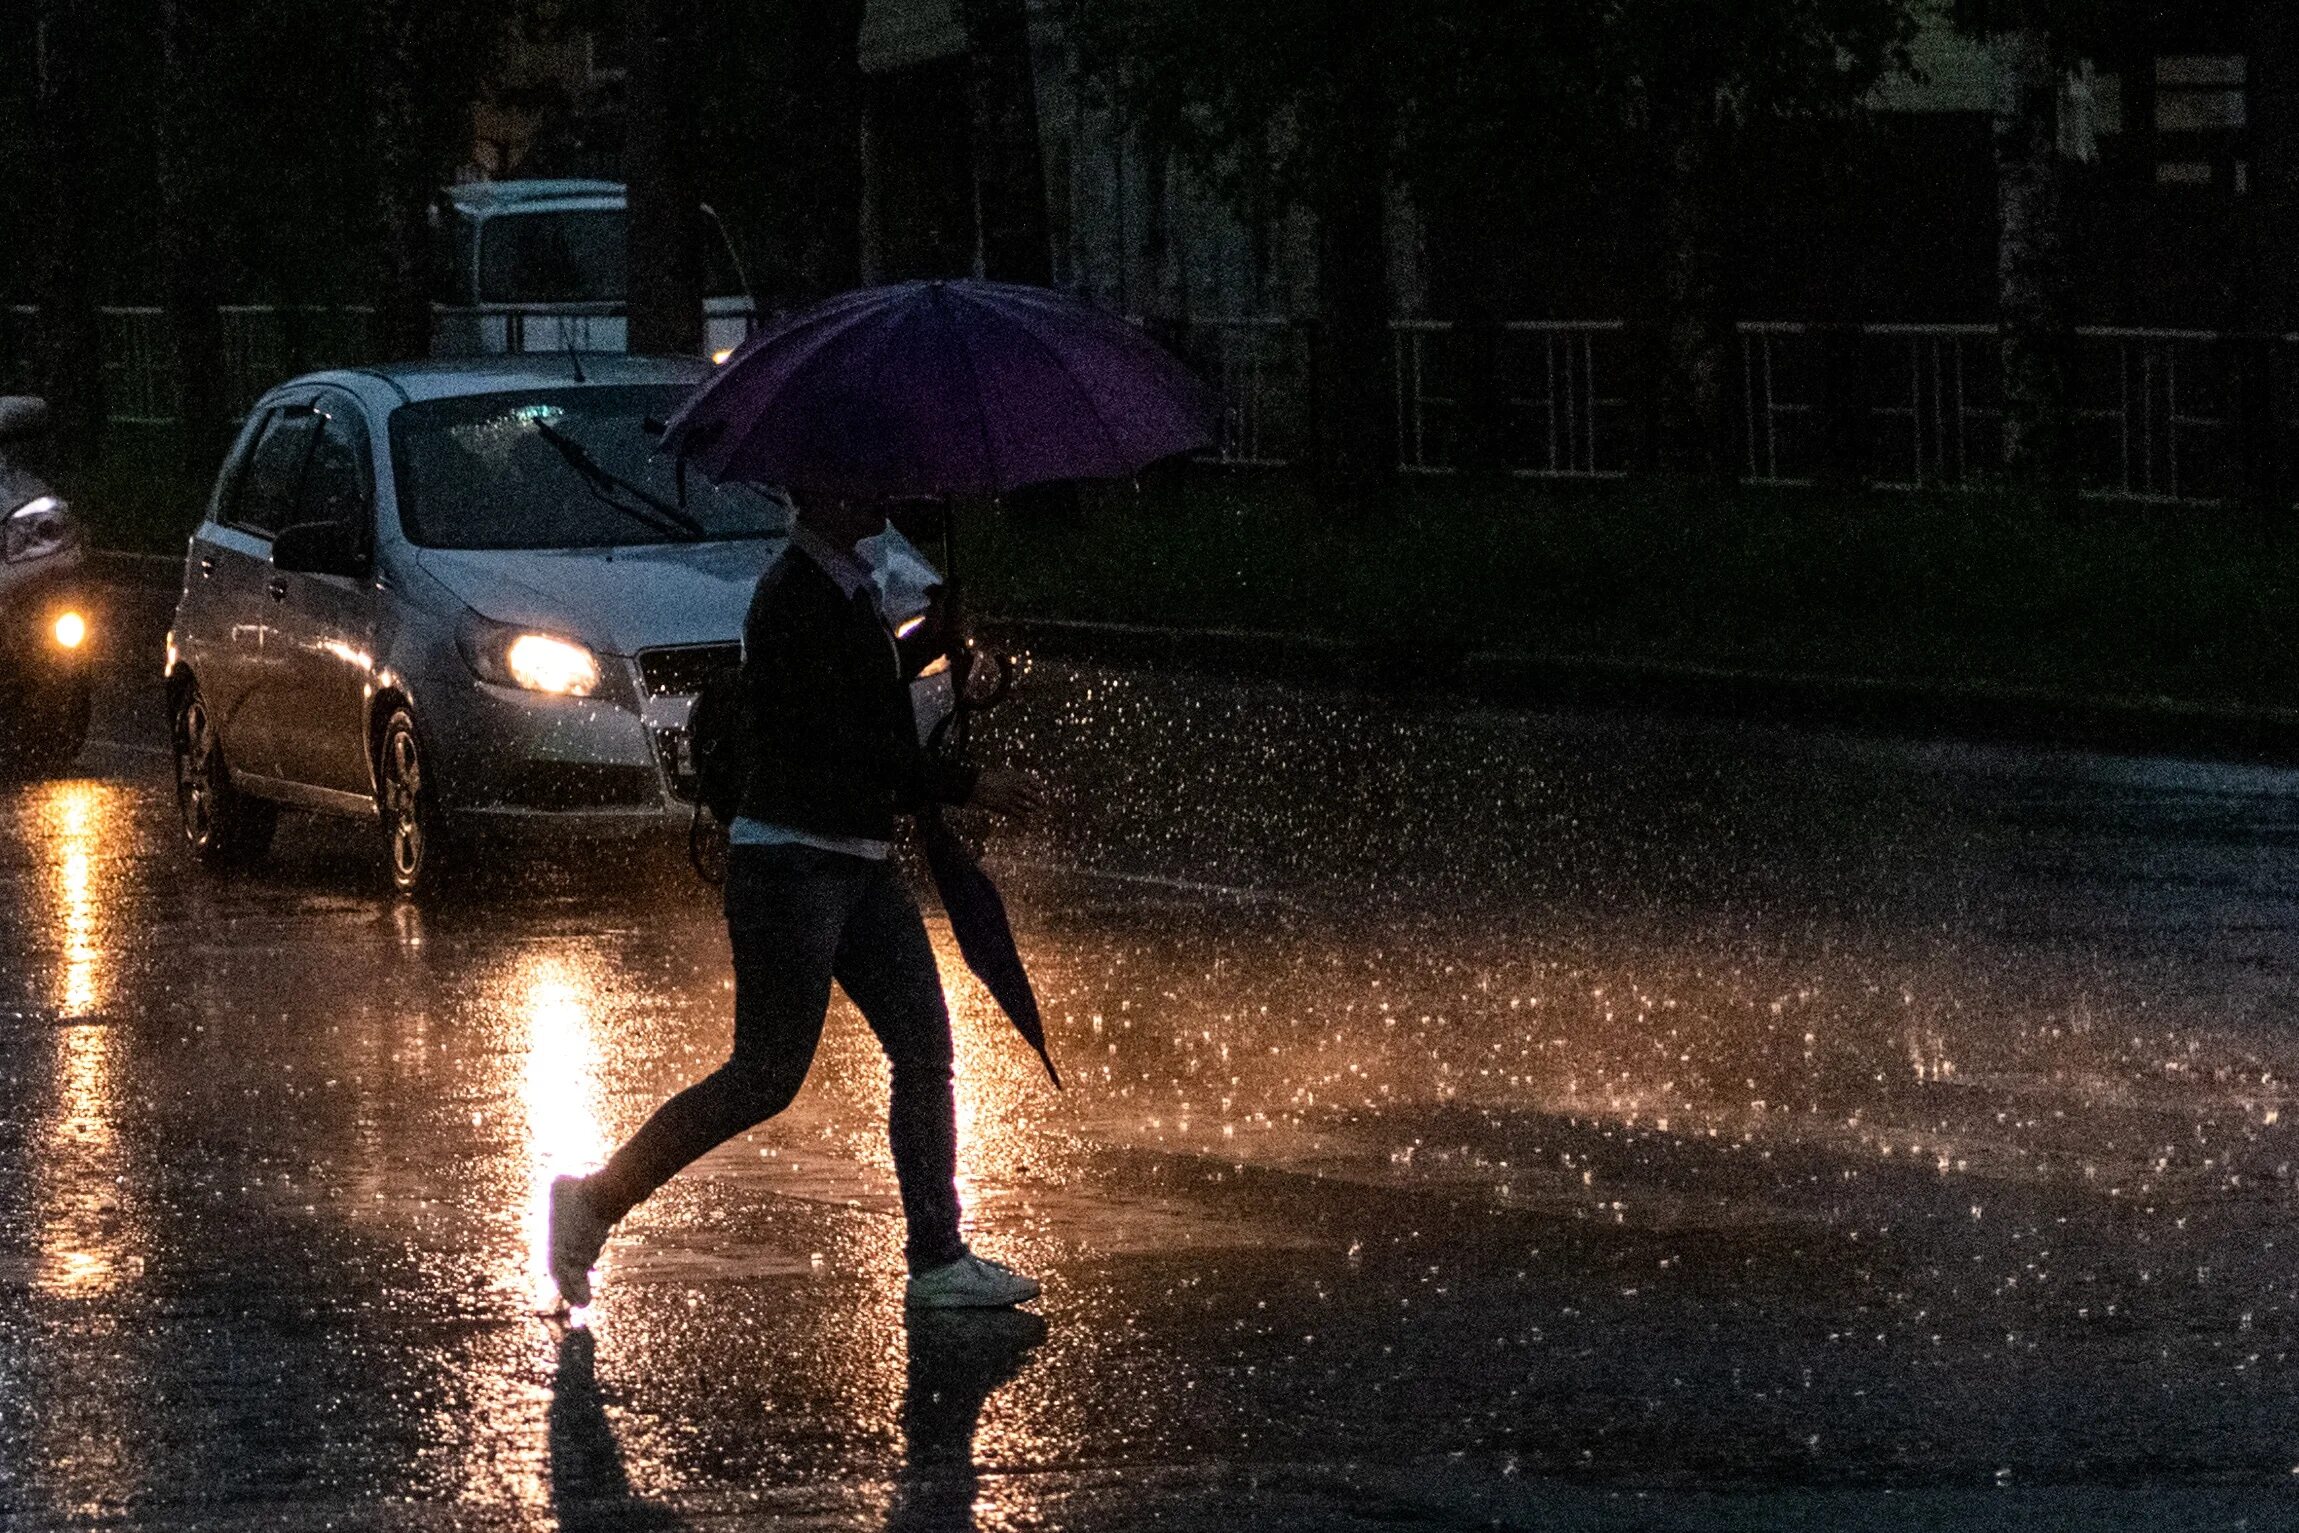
x=539 y=266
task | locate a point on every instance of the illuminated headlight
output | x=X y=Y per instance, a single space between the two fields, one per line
x=70 y=630
x=41 y=526
x=539 y=662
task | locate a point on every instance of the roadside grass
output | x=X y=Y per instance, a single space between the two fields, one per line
x=2193 y=604
x=2186 y=603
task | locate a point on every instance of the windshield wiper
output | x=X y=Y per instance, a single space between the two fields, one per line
x=603 y=482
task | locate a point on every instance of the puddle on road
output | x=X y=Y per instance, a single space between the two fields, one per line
x=1316 y=1114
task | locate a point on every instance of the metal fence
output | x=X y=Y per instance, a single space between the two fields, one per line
x=2156 y=411
x=1558 y=382
x=1938 y=408
x=262 y=344
x=2153 y=414
x=1260 y=372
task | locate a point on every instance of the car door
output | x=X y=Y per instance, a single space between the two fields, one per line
x=202 y=634
x=324 y=627
x=233 y=562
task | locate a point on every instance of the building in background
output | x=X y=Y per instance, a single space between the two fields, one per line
x=2176 y=131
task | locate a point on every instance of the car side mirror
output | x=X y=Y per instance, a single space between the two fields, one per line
x=318 y=548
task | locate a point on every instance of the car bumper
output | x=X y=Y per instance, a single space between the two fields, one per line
x=607 y=765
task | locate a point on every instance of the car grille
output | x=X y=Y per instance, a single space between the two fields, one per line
x=683 y=670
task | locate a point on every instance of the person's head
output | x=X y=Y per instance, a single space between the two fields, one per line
x=840 y=522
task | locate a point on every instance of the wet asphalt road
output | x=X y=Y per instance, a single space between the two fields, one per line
x=1475 y=1118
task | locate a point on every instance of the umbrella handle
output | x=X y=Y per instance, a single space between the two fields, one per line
x=954 y=635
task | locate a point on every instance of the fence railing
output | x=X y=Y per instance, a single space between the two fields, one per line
x=2153 y=413
x=1939 y=421
x=262 y=344
x=1558 y=421
x=2156 y=414
x=1260 y=371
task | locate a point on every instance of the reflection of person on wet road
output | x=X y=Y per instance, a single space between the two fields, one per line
x=589 y=1486
x=956 y=1361
x=812 y=894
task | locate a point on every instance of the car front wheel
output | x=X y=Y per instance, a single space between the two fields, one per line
x=221 y=824
x=416 y=845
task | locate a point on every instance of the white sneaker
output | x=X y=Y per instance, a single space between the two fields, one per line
x=970 y=1282
x=576 y=1236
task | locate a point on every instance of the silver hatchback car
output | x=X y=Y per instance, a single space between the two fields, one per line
x=441 y=595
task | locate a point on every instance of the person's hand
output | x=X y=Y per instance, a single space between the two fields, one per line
x=1002 y=790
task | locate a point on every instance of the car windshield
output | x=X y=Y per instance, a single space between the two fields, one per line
x=559 y=468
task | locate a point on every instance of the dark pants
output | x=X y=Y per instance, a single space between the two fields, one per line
x=798 y=918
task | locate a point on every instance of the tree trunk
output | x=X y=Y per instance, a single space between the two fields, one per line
x=1696 y=329
x=1352 y=359
x=1467 y=236
x=71 y=345
x=2272 y=218
x=661 y=153
x=401 y=98
x=191 y=270
x=826 y=46
x=1014 y=239
x=2032 y=276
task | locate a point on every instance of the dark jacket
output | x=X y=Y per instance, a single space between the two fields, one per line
x=834 y=744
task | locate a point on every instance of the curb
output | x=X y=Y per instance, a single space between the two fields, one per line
x=1966 y=711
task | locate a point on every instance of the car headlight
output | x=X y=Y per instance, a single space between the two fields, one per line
x=539 y=662
x=41 y=526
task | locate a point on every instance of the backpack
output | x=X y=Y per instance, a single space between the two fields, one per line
x=718 y=742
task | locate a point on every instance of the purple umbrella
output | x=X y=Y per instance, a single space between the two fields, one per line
x=928 y=389
x=984 y=936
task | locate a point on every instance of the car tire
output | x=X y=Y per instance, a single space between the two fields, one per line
x=223 y=826
x=419 y=851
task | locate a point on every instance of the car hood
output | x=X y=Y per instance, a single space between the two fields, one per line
x=617 y=600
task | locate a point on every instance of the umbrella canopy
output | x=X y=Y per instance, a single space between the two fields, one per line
x=942 y=388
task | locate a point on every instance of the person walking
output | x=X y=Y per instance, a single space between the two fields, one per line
x=813 y=894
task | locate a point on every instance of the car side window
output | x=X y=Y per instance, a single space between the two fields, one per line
x=265 y=499
x=336 y=485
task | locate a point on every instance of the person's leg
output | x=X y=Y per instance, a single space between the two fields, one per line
x=886 y=964
x=785 y=907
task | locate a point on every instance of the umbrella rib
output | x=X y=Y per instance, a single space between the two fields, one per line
x=1117 y=332
x=990 y=474
x=1093 y=411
